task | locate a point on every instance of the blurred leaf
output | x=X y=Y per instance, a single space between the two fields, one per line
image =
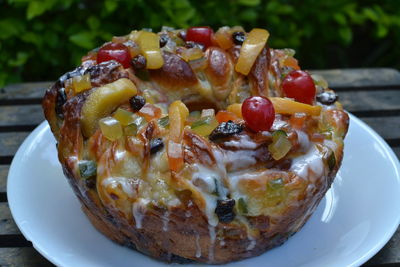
x=110 y=5
x=345 y=34
x=83 y=39
x=10 y=27
x=93 y=23
x=37 y=8
x=249 y=2
x=19 y=60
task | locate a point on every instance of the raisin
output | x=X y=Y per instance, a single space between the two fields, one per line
x=327 y=97
x=139 y=62
x=90 y=183
x=238 y=37
x=137 y=102
x=163 y=39
x=191 y=44
x=182 y=35
x=225 y=129
x=76 y=72
x=224 y=210
x=60 y=101
x=156 y=145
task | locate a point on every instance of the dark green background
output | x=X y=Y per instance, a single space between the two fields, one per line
x=40 y=40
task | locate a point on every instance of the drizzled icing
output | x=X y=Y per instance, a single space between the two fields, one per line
x=198 y=247
x=126 y=184
x=211 y=248
x=311 y=160
x=139 y=210
x=165 y=219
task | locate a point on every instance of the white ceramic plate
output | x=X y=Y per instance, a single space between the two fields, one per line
x=356 y=218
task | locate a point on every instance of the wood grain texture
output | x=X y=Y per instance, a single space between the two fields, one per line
x=387 y=127
x=366 y=77
x=7 y=224
x=389 y=254
x=10 y=142
x=3 y=177
x=24 y=90
x=21 y=115
x=370 y=100
x=22 y=257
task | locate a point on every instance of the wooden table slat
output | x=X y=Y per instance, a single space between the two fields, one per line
x=10 y=142
x=15 y=257
x=366 y=77
x=7 y=224
x=21 y=115
x=3 y=177
x=24 y=90
x=370 y=100
x=387 y=127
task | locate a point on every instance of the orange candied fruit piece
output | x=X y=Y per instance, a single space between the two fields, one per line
x=297 y=120
x=224 y=116
x=150 y=111
x=291 y=62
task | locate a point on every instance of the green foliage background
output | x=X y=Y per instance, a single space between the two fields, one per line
x=42 y=39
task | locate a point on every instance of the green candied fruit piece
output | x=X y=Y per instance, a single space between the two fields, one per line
x=164 y=121
x=331 y=160
x=131 y=129
x=87 y=168
x=276 y=192
x=280 y=145
x=242 y=206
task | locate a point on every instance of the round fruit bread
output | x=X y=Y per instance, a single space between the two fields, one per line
x=194 y=144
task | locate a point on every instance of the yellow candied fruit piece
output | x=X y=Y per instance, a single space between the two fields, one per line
x=192 y=54
x=123 y=116
x=103 y=101
x=251 y=48
x=236 y=109
x=205 y=125
x=149 y=43
x=289 y=107
x=110 y=128
x=177 y=112
x=223 y=37
x=81 y=83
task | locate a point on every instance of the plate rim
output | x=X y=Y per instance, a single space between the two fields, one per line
x=43 y=126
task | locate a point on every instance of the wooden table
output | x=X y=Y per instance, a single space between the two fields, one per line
x=371 y=94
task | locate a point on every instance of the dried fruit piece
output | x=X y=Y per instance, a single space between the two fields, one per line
x=225 y=129
x=156 y=145
x=150 y=45
x=137 y=102
x=110 y=128
x=259 y=113
x=103 y=101
x=224 y=210
x=251 y=48
x=280 y=145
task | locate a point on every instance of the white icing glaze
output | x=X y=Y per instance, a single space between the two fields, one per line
x=241 y=158
x=198 y=247
x=211 y=230
x=303 y=139
x=331 y=144
x=127 y=185
x=165 y=219
x=312 y=159
x=138 y=211
x=244 y=142
x=252 y=243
